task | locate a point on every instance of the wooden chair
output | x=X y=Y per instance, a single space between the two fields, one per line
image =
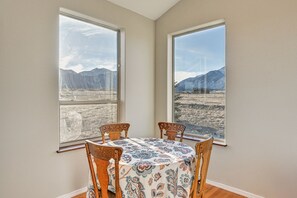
x=101 y=155
x=172 y=129
x=203 y=151
x=114 y=130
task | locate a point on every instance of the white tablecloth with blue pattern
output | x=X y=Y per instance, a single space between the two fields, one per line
x=152 y=167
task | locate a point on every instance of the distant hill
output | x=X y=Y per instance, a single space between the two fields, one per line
x=96 y=79
x=213 y=80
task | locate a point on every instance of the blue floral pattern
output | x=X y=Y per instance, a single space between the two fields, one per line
x=126 y=158
x=143 y=154
x=162 y=160
x=183 y=150
x=152 y=167
x=120 y=142
x=185 y=180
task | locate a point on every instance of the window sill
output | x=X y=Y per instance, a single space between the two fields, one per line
x=70 y=148
x=186 y=137
x=80 y=145
x=198 y=139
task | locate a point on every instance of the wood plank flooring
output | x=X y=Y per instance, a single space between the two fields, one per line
x=215 y=192
x=211 y=192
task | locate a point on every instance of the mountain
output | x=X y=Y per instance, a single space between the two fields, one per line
x=96 y=79
x=213 y=80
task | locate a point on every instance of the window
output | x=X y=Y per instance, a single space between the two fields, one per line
x=88 y=78
x=198 y=87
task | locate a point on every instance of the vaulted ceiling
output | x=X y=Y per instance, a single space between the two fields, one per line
x=151 y=9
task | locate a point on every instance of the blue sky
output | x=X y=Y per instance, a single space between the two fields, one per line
x=84 y=46
x=199 y=52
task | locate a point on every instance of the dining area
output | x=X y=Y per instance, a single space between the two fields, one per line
x=224 y=69
x=146 y=167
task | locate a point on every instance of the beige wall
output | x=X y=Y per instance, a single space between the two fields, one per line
x=30 y=166
x=261 y=156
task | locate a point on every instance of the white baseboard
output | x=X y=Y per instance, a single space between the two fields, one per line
x=217 y=184
x=232 y=189
x=74 y=193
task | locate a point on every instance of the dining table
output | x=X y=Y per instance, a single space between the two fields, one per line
x=152 y=167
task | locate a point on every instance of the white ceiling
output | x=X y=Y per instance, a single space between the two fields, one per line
x=151 y=9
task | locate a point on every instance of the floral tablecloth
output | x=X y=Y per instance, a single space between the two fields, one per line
x=152 y=167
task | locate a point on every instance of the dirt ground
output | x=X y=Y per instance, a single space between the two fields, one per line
x=203 y=113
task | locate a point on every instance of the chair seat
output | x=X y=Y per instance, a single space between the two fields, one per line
x=110 y=194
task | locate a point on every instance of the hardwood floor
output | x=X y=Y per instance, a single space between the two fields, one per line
x=211 y=192
x=215 y=192
x=81 y=196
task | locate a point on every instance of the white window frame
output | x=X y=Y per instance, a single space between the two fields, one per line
x=170 y=74
x=121 y=82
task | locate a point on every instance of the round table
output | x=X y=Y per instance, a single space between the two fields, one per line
x=152 y=167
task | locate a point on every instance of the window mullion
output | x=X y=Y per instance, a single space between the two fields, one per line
x=88 y=102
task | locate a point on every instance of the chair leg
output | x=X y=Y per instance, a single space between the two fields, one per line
x=202 y=195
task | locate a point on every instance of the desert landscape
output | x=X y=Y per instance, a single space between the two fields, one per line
x=203 y=114
x=89 y=99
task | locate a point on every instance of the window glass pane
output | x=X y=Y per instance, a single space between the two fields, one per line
x=199 y=76
x=88 y=78
x=88 y=61
x=82 y=121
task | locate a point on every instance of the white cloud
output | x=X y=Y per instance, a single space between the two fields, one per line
x=64 y=64
x=77 y=68
x=65 y=60
x=92 y=31
x=111 y=65
x=181 y=75
x=85 y=46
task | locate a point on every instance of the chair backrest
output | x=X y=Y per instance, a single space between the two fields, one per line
x=203 y=151
x=114 y=130
x=100 y=155
x=172 y=129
